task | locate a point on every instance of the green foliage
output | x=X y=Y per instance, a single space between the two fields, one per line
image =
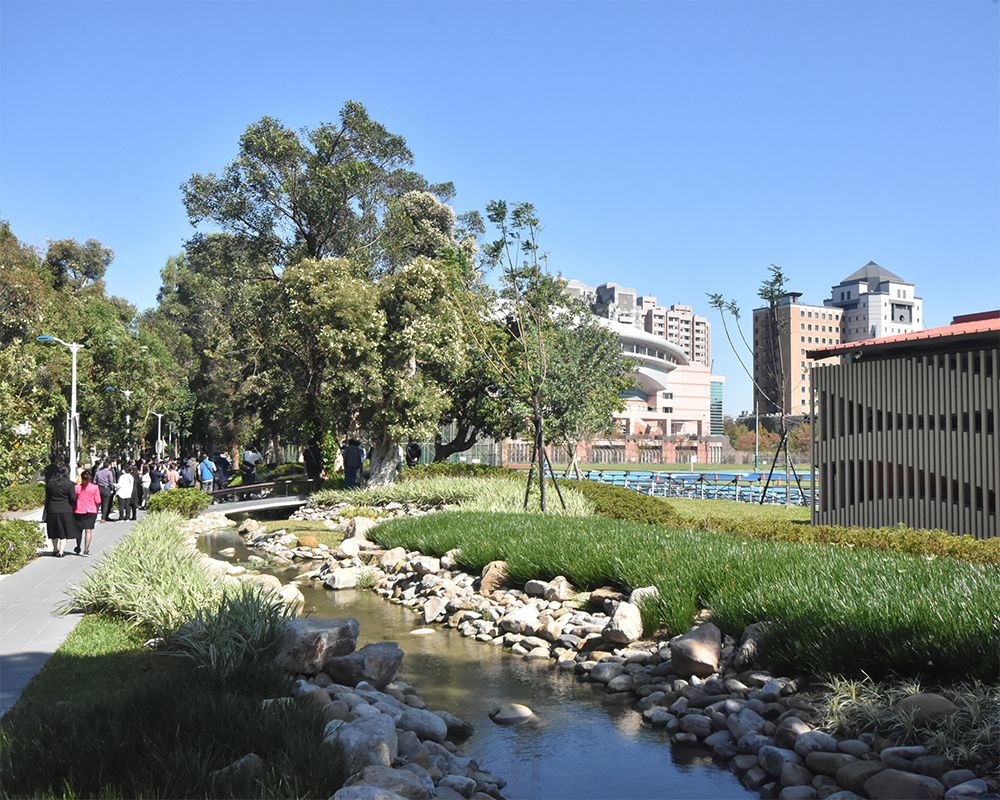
x=22 y=497
x=968 y=737
x=774 y=523
x=617 y=502
x=149 y=579
x=241 y=632
x=479 y=494
x=100 y=691
x=19 y=543
x=445 y=469
x=828 y=609
x=186 y=502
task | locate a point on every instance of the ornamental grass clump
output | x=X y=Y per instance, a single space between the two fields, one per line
x=828 y=609
x=149 y=579
x=19 y=543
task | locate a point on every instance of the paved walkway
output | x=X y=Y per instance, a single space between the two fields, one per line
x=30 y=628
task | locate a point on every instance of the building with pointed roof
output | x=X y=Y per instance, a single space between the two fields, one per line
x=876 y=302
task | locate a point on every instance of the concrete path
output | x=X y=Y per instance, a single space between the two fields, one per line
x=31 y=630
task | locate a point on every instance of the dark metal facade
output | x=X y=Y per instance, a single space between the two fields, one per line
x=910 y=438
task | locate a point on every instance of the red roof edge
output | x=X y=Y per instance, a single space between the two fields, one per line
x=979 y=316
x=987 y=322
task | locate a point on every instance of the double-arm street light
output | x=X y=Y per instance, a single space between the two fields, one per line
x=74 y=348
x=159 y=438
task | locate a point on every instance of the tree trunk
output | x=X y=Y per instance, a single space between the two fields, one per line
x=464 y=439
x=385 y=461
x=540 y=447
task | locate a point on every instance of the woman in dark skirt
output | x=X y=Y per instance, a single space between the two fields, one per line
x=88 y=503
x=60 y=499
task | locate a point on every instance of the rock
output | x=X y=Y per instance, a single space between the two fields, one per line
x=376 y=663
x=458 y=729
x=228 y=552
x=290 y=595
x=509 y=713
x=746 y=721
x=973 y=788
x=698 y=724
x=793 y=774
x=305 y=540
x=425 y=565
x=828 y=763
x=697 y=652
x=772 y=759
x=894 y=784
x=422 y=632
x=853 y=776
x=926 y=707
x=798 y=793
x=902 y=757
x=625 y=625
x=361 y=791
x=935 y=766
x=365 y=742
x=755 y=778
x=349 y=548
x=843 y=795
x=957 y=776
x=306 y=645
x=854 y=747
x=521 y=620
x=434 y=607
x=494 y=576
x=642 y=594
x=746 y=653
x=400 y=781
x=604 y=599
x=360 y=527
x=606 y=671
x=788 y=730
x=270 y=583
x=243 y=770
x=459 y=783
x=426 y=724
x=625 y=683
x=558 y=590
x=343 y=578
x=534 y=588
x=815 y=741
x=390 y=559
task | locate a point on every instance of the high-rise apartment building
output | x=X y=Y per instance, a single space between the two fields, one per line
x=690 y=332
x=779 y=350
x=615 y=302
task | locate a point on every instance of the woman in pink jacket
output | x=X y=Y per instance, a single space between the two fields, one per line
x=88 y=503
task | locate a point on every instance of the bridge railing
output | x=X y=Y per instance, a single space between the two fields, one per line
x=256 y=491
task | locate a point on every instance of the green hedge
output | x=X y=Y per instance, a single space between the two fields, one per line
x=19 y=543
x=186 y=502
x=616 y=502
x=22 y=497
x=446 y=469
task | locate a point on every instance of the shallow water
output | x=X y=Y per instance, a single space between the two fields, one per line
x=580 y=746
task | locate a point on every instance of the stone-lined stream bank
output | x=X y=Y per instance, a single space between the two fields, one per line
x=701 y=689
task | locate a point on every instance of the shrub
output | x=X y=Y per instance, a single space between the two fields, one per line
x=828 y=609
x=149 y=579
x=449 y=470
x=186 y=502
x=242 y=631
x=19 y=543
x=617 y=502
x=22 y=497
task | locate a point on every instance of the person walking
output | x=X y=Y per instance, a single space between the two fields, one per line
x=172 y=476
x=206 y=471
x=354 y=459
x=105 y=480
x=88 y=503
x=60 y=499
x=146 y=479
x=124 y=488
x=134 y=471
x=223 y=469
x=157 y=475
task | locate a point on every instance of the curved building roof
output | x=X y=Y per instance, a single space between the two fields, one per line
x=656 y=356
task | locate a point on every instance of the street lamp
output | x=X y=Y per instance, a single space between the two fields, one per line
x=74 y=348
x=128 y=415
x=159 y=438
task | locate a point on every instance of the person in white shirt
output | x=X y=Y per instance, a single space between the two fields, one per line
x=124 y=487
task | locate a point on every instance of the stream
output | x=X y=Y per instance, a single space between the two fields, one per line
x=582 y=744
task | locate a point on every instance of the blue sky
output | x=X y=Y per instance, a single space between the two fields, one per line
x=678 y=148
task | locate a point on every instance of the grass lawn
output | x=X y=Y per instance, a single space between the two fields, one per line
x=692 y=510
x=830 y=609
x=311 y=527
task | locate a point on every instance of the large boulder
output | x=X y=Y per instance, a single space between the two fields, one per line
x=307 y=644
x=494 y=576
x=625 y=625
x=376 y=663
x=426 y=724
x=697 y=652
x=365 y=742
x=926 y=707
x=894 y=784
x=403 y=782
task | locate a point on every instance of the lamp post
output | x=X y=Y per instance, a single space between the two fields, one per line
x=74 y=348
x=159 y=438
x=128 y=416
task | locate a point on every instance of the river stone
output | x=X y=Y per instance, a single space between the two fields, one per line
x=306 y=645
x=534 y=588
x=359 y=527
x=772 y=759
x=642 y=594
x=854 y=747
x=361 y=791
x=697 y=652
x=290 y=595
x=828 y=763
x=853 y=776
x=844 y=794
x=606 y=671
x=508 y=713
x=400 y=781
x=558 y=590
x=788 y=730
x=494 y=576
x=815 y=741
x=305 y=540
x=698 y=724
x=622 y=683
x=935 y=766
x=422 y=632
x=521 y=620
x=269 y=583
x=365 y=742
x=798 y=793
x=926 y=707
x=604 y=599
x=972 y=788
x=458 y=729
x=426 y=724
x=245 y=769
x=794 y=775
x=349 y=548
x=434 y=607
x=894 y=784
x=425 y=565
x=746 y=721
x=957 y=776
x=625 y=625
x=460 y=784
x=343 y=578
x=376 y=663
x=390 y=559
x=750 y=641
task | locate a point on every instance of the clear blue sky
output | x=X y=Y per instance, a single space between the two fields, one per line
x=678 y=148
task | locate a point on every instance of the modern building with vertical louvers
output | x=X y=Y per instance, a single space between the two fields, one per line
x=906 y=429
